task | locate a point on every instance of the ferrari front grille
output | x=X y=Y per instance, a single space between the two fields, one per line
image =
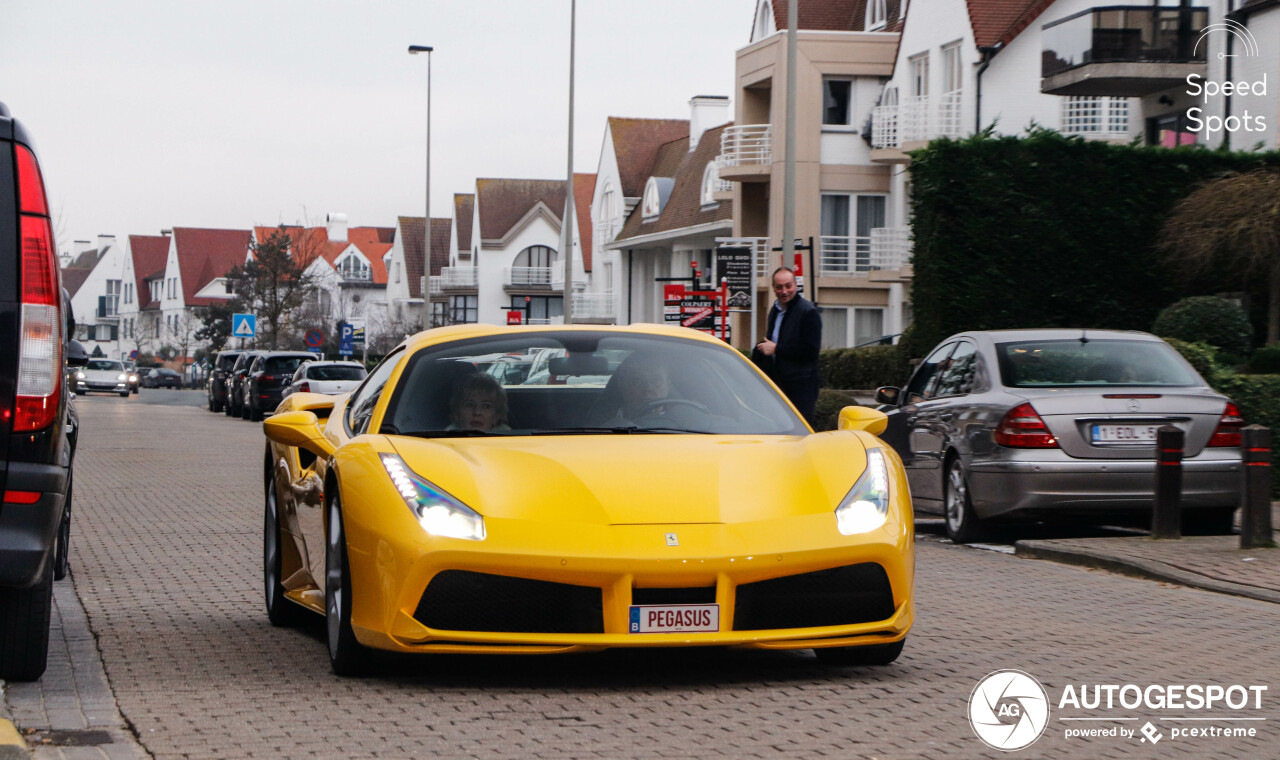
x=839 y=596
x=460 y=600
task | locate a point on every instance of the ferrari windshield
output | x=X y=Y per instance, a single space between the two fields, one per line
x=582 y=383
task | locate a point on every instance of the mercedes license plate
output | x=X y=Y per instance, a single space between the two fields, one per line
x=675 y=618
x=1125 y=434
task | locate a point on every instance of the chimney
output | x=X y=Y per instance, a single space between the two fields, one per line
x=79 y=247
x=166 y=233
x=65 y=259
x=337 y=227
x=706 y=111
x=105 y=242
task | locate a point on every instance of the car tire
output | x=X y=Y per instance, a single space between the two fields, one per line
x=246 y=409
x=62 y=542
x=347 y=656
x=229 y=408
x=963 y=524
x=255 y=414
x=1219 y=521
x=24 y=629
x=280 y=611
x=878 y=654
x=124 y=394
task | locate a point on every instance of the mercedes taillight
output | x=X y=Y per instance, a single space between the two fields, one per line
x=1022 y=428
x=40 y=349
x=1229 y=427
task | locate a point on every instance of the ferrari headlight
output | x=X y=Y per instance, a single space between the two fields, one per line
x=438 y=513
x=867 y=505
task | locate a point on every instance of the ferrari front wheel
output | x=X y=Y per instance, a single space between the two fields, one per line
x=879 y=654
x=347 y=656
x=280 y=611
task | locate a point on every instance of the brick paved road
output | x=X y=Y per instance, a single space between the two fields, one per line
x=167 y=563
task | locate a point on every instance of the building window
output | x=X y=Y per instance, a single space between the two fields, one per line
x=464 y=310
x=837 y=101
x=952 y=71
x=651 y=205
x=1095 y=116
x=439 y=314
x=846 y=223
x=354 y=268
x=918 y=70
x=710 y=182
x=868 y=326
x=876 y=15
x=536 y=256
x=538 y=310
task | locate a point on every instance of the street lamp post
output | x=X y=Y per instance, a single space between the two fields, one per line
x=426 y=219
x=566 y=233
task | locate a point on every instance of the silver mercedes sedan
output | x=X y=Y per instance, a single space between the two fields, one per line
x=1050 y=423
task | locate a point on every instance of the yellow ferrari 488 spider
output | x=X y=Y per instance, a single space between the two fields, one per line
x=556 y=489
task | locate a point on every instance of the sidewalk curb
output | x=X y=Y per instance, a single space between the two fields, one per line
x=1140 y=568
x=12 y=745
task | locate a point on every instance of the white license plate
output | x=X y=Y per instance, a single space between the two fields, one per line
x=675 y=618
x=1125 y=433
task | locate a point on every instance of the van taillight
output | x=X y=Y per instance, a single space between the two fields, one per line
x=1022 y=428
x=40 y=347
x=1229 y=427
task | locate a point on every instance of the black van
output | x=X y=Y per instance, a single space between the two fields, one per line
x=37 y=451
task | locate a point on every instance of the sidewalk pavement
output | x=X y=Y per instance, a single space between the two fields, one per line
x=70 y=713
x=1213 y=563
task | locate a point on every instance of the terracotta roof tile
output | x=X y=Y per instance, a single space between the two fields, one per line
x=149 y=254
x=999 y=21
x=822 y=15
x=412 y=229
x=684 y=206
x=584 y=188
x=204 y=255
x=503 y=202
x=73 y=277
x=635 y=145
x=463 y=209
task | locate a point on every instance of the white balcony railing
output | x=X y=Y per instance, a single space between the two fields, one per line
x=721 y=185
x=526 y=276
x=748 y=145
x=459 y=277
x=436 y=283
x=606 y=231
x=918 y=118
x=593 y=305
x=884 y=248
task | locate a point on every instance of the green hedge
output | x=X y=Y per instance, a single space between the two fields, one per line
x=1198 y=355
x=826 y=414
x=863 y=368
x=1049 y=231
x=1258 y=397
x=1207 y=319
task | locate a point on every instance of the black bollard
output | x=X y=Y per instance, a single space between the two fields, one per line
x=1255 y=488
x=1166 y=519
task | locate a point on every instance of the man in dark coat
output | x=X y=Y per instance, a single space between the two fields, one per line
x=793 y=337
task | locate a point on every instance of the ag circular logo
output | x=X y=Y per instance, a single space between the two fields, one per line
x=1009 y=710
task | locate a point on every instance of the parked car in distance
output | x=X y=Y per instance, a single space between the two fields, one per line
x=235 y=382
x=103 y=376
x=162 y=377
x=266 y=380
x=37 y=428
x=1052 y=423
x=131 y=370
x=326 y=377
x=216 y=387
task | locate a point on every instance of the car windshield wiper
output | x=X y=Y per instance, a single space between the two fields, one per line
x=616 y=430
x=453 y=433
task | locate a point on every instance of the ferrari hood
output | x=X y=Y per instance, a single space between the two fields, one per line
x=641 y=479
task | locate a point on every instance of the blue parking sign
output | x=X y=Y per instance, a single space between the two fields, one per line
x=244 y=325
x=346 y=340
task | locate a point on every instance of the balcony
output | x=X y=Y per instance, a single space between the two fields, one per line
x=1123 y=51
x=746 y=153
x=594 y=308
x=458 y=278
x=910 y=124
x=884 y=248
x=436 y=285
x=526 y=277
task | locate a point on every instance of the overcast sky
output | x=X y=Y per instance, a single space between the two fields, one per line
x=152 y=114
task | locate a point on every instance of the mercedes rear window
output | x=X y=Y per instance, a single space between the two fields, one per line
x=1089 y=362
x=335 y=373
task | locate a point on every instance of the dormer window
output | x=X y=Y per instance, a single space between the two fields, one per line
x=354 y=268
x=876 y=15
x=710 y=181
x=656 y=192
x=765 y=25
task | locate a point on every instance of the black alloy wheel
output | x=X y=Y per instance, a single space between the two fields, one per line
x=281 y=611
x=347 y=656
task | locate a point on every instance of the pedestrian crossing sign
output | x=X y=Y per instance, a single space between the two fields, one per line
x=244 y=325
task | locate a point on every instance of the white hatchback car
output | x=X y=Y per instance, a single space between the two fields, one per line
x=326 y=377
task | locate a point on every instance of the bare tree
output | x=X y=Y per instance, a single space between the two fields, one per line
x=182 y=329
x=275 y=282
x=1230 y=226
